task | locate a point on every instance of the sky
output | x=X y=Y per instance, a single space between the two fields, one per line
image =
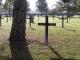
x=3 y=1
x=51 y=4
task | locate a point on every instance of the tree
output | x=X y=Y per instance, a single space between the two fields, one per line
x=8 y=7
x=18 y=43
x=77 y=5
x=67 y=8
x=70 y=5
x=0 y=11
x=42 y=6
x=65 y=1
x=28 y=9
x=59 y=7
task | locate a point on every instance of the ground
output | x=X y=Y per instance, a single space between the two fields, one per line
x=64 y=43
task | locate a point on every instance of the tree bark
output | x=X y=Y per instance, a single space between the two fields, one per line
x=18 y=43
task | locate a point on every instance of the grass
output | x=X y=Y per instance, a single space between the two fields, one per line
x=63 y=42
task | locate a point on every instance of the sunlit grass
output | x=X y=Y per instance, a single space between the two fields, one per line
x=65 y=41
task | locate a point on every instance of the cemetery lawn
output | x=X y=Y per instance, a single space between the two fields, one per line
x=64 y=43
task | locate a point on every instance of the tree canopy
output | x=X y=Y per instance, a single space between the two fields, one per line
x=42 y=6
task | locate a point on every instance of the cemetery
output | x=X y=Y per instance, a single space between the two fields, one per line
x=39 y=36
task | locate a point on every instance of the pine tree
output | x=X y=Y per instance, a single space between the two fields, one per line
x=28 y=9
x=42 y=6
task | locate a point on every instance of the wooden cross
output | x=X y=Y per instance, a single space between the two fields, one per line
x=0 y=20
x=46 y=24
x=31 y=19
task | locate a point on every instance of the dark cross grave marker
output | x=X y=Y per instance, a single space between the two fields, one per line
x=0 y=20
x=46 y=24
x=31 y=19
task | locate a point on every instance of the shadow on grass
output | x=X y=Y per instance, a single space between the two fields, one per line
x=58 y=55
x=62 y=59
x=20 y=51
x=7 y=57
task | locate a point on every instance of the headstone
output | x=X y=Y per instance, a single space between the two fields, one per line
x=46 y=24
x=0 y=20
x=31 y=19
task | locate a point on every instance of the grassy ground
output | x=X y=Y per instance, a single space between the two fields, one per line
x=64 y=43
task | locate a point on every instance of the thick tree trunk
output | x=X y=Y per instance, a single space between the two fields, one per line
x=18 y=44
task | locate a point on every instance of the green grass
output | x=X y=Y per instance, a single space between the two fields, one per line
x=63 y=41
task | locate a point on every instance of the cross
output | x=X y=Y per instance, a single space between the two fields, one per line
x=46 y=24
x=31 y=19
x=0 y=20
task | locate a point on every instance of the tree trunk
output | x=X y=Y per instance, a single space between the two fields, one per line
x=67 y=19
x=9 y=15
x=7 y=18
x=62 y=21
x=38 y=17
x=53 y=17
x=0 y=21
x=18 y=44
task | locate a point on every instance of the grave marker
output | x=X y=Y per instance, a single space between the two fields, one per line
x=31 y=19
x=46 y=24
x=0 y=20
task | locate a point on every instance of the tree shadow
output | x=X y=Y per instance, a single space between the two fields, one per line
x=20 y=51
x=55 y=52
x=62 y=59
x=58 y=55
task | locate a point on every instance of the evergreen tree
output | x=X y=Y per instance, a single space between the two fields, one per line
x=77 y=5
x=8 y=6
x=28 y=9
x=42 y=6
